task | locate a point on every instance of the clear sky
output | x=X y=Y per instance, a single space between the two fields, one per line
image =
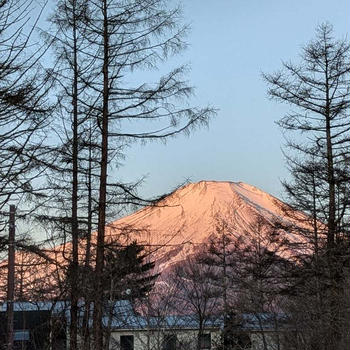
x=230 y=44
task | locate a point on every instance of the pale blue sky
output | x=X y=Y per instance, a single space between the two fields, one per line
x=231 y=43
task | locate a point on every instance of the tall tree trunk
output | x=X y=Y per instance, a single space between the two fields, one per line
x=98 y=312
x=89 y=206
x=330 y=176
x=87 y=296
x=75 y=259
x=333 y=306
x=11 y=278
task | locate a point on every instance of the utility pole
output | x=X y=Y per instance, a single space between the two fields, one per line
x=11 y=277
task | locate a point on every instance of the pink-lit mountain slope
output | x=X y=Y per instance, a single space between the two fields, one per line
x=186 y=219
x=178 y=226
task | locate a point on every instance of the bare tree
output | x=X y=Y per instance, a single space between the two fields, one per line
x=195 y=295
x=249 y=275
x=125 y=36
x=100 y=46
x=24 y=107
x=318 y=90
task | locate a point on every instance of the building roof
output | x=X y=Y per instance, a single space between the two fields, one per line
x=54 y=306
x=121 y=315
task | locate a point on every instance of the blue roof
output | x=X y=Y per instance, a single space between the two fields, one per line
x=54 y=306
x=259 y=321
x=123 y=316
x=154 y=322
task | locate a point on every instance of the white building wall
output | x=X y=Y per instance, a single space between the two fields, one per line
x=187 y=339
x=153 y=339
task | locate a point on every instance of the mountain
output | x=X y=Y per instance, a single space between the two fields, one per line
x=187 y=219
x=173 y=229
